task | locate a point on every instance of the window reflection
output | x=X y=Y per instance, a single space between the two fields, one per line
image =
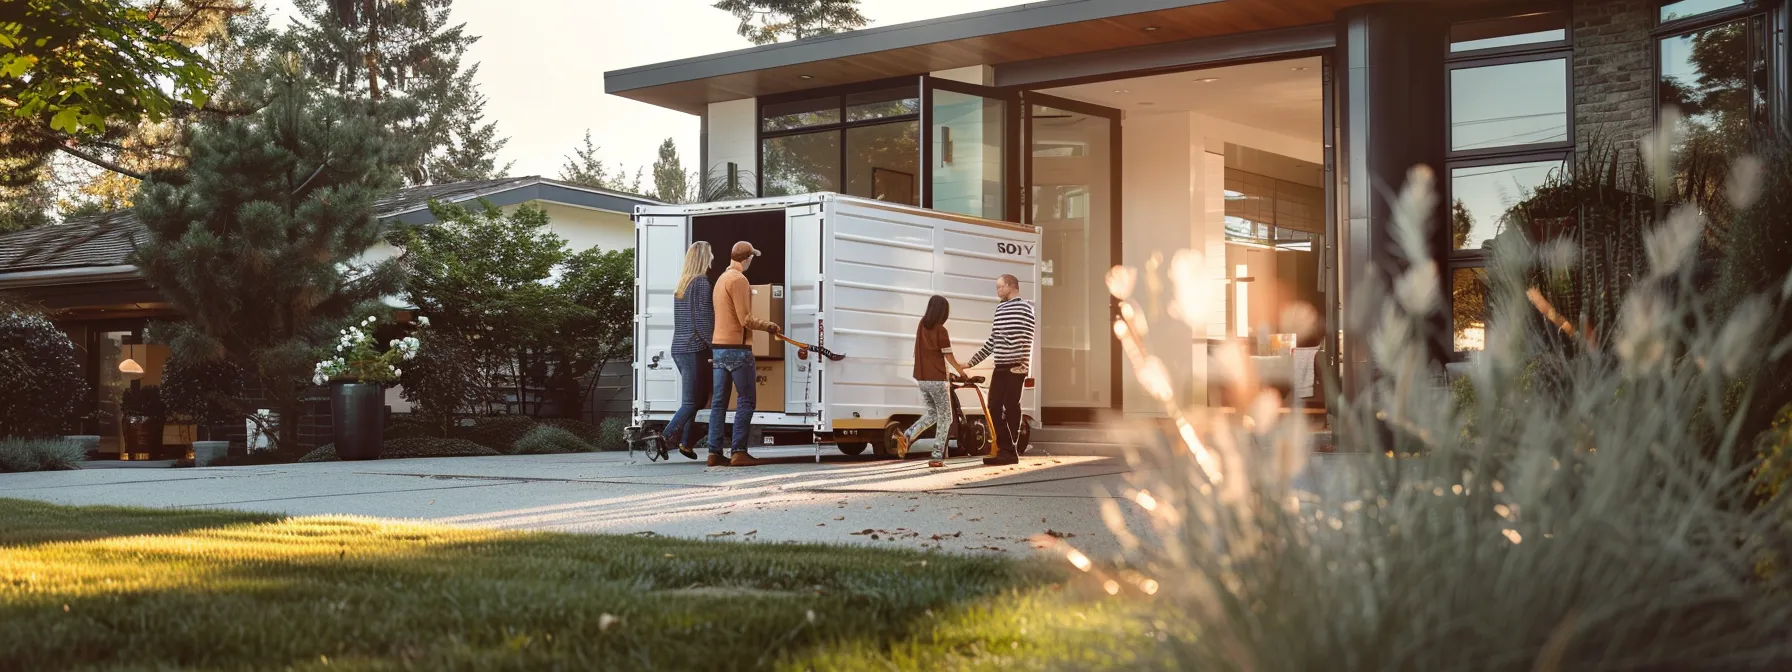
x=1482 y=196
x=1468 y=303
x=1510 y=31
x=1675 y=11
x=801 y=113
x=1509 y=105
x=801 y=164
x=1718 y=79
x=881 y=162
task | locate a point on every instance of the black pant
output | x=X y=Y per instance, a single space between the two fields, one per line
x=1004 y=404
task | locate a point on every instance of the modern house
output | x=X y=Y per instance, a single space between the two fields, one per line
x=80 y=272
x=1263 y=134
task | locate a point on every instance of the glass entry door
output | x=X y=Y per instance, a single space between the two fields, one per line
x=968 y=132
x=1071 y=172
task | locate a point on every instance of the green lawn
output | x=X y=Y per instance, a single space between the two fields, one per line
x=116 y=588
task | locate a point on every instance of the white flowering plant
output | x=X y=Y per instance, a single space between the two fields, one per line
x=358 y=358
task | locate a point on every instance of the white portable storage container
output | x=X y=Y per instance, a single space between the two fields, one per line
x=857 y=275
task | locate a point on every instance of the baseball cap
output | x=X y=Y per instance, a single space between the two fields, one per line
x=743 y=250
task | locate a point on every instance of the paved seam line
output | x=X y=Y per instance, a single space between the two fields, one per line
x=536 y=479
x=344 y=494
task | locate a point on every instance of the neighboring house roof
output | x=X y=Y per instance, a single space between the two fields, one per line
x=1037 y=30
x=105 y=241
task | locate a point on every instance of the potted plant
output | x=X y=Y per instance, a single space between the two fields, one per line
x=358 y=372
x=197 y=392
x=144 y=416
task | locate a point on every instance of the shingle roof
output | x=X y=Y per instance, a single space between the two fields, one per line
x=108 y=239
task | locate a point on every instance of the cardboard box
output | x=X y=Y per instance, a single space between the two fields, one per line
x=768 y=304
x=770 y=387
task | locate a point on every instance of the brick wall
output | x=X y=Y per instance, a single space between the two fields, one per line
x=1614 y=85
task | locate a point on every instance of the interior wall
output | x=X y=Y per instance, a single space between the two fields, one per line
x=733 y=137
x=1173 y=198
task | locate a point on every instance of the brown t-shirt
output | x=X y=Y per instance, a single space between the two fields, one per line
x=931 y=346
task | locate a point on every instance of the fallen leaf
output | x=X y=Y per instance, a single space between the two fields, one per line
x=724 y=533
x=605 y=621
x=821 y=524
x=839 y=517
x=1059 y=535
x=862 y=532
x=976 y=520
x=750 y=533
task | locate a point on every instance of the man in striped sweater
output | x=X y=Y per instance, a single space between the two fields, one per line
x=1011 y=344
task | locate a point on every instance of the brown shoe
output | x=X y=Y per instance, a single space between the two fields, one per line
x=742 y=459
x=718 y=460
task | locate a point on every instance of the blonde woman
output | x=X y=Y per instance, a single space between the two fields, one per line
x=694 y=319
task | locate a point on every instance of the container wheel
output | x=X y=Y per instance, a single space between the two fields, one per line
x=852 y=448
x=1025 y=437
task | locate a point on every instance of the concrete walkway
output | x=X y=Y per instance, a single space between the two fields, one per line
x=965 y=507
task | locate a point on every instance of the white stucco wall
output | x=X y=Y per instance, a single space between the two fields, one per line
x=733 y=136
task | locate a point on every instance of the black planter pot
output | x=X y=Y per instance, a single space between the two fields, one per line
x=358 y=413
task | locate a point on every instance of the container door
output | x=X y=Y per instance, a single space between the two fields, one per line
x=804 y=249
x=660 y=242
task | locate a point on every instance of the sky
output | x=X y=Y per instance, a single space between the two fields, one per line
x=541 y=62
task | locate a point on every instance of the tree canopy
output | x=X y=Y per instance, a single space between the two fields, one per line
x=767 y=21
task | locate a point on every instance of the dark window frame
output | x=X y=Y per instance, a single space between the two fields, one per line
x=1750 y=10
x=1562 y=151
x=839 y=94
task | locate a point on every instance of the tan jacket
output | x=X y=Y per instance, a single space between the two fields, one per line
x=734 y=309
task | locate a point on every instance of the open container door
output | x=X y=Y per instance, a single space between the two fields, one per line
x=660 y=242
x=804 y=247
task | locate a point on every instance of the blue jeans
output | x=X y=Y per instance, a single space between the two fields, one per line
x=695 y=376
x=734 y=366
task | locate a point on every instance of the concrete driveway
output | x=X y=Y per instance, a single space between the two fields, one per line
x=965 y=507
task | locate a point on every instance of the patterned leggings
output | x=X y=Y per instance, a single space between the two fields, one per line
x=939 y=412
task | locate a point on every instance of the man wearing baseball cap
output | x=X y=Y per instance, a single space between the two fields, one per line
x=734 y=362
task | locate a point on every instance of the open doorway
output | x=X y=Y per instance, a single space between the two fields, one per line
x=1229 y=162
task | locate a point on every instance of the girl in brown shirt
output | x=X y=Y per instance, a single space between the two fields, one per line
x=933 y=351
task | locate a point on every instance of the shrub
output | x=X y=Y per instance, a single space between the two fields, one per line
x=610 y=435
x=199 y=391
x=43 y=385
x=498 y=432
x=142 y=402
x=547 y=440
x=446 y=379
x=394 y=449
x=586 y=431
x=40 y=455
x=407 y=427
x=1593 y=520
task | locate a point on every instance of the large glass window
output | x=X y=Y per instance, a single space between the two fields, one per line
x=1686 y=9
x=1509 y=104
x=1483 y=196
x=863 y=142
x=1717 y=76
x=1071 y=199
x=1511 y=132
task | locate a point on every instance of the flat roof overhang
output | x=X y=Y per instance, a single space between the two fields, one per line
x=1041 y=30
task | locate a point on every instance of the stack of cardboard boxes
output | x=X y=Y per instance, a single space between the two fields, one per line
x=768 y=304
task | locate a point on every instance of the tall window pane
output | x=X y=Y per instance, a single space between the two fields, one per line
x=968 y=154
x=882 y=162
x=1718 y=78
x=1481 y=197
x=1675 y=11
x=1509 y=105
x=801 y=164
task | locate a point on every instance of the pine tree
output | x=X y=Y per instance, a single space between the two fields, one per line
x=473 y=144
x=585 y=168
x=766 y=21
x=670 y=181
x=411 y=77
x=255 y=243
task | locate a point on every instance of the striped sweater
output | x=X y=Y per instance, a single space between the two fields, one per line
x=694 y=318
x=1010 y=336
